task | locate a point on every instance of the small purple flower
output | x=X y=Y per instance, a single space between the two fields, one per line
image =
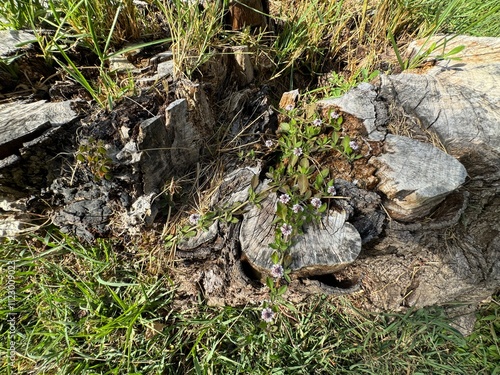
x=269 y=143
x=286 y=229
x=284 y=198
x=194 y=218
x=267 y=315
x=297 y=151
x=334 y=115
x=289 y=107
x=277 y=271
x=331 y=190
x=297 y=208
x=317 y=122
x=316 y=202
x=354 y=145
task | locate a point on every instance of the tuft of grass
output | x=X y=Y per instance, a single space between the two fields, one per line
x=194 y=32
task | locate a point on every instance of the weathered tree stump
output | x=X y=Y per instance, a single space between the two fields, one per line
x=324 y=248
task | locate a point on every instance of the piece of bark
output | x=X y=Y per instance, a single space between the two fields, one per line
x=415 y=177
x=244 y=67
x=289 y=99
x=245 y=13
x=362 y=102
x=186 y=138
x=9 y=39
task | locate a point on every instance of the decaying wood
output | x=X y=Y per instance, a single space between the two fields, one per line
x=415 y=177
x=323 y=248
x=23 y=122
x=10 y=38
x=289 y=99
x=458 y=99
x=248 y=13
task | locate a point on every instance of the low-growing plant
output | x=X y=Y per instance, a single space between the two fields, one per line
x=303 y=186
x=93 y=154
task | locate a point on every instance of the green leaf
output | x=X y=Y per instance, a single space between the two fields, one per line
x=335 y=138
x=345 y=145
x=322 y=208
x=270 y=283
x=319 y=181
x=275 y=258
x=285 y=127
x=282 y=290
x=455 y=50
x=281 y=210
x=303 y=183
x=304 y=162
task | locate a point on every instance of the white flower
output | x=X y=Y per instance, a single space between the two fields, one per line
x=316 y=202
x=194 y=218
x=297 y=208
x=297 y=151
x=267 y=315
x=269 y=143
x=332 y=190
x=286 y=229
x=334 y=115
x=354 y=145
x=284 y=198
x=289 y=107
x=277 y=271
x=317 y=122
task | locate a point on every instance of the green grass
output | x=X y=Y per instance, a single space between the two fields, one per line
x=97 y=310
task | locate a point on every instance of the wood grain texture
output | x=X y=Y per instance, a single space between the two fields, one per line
x=23 y=122
x=415 y=176
x=458 y=99
x=324 y=248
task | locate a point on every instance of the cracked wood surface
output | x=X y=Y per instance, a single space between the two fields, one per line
x=324 y=248
x=457 y=99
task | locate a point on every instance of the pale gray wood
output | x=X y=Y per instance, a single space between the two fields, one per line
x=415 y=176
x=324 y=248
x=23 y=122
x=9 y=39
x=362 y=102
x=458 y=99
